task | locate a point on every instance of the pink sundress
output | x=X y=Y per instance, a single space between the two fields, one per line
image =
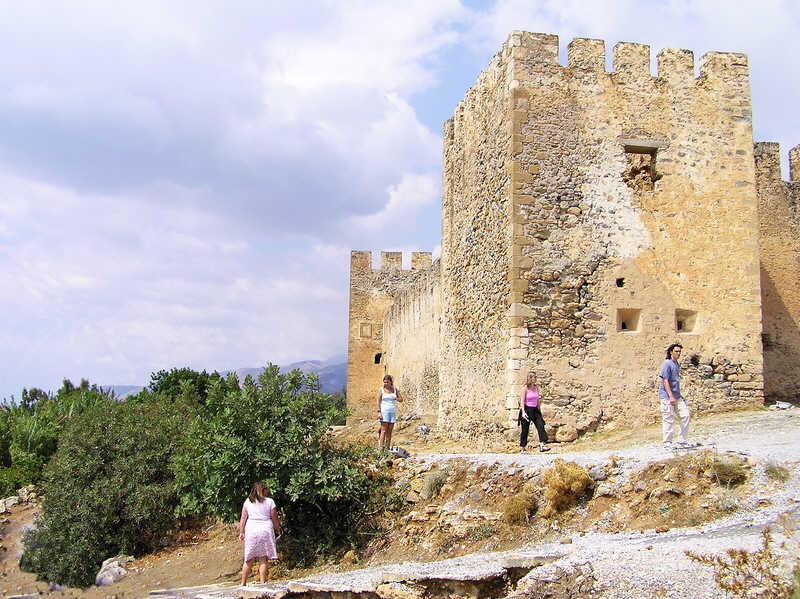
x=259 y=536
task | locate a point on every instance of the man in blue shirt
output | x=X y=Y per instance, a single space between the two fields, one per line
x=672 y=403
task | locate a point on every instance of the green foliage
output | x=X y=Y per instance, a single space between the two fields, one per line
x=185 y=382
x=749 y=574
x=30 y=430
x=564 y=483
x=108 y=489
x=275 y=429
x=433 y=483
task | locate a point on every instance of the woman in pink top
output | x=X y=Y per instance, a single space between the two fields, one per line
x=530 y=409
x=258 y=528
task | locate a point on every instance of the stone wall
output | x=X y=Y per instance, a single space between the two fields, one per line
x=372 y=292
x=476 y=242
x=780 y=270
x=412 y=343
x=636 y=226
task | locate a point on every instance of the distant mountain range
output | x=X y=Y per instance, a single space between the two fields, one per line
x=332 y=375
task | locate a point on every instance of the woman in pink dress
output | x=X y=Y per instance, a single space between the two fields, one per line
x=258 y=528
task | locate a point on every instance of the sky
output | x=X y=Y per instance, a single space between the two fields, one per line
x=181 y=183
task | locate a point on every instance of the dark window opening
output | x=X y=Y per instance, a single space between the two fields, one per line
x=695 y=360
x=685 y=320
x=640 y=165
x=628 y=319
x=378 y=358
x=621 y=282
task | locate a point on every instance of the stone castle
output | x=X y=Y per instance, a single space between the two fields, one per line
x=590 y=219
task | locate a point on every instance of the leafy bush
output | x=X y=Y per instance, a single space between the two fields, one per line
x=564 y=483
x=520 y=507
x=433 y=483
x=275 y=429
x=184 y=382
x=108 y=489
x=30 y=430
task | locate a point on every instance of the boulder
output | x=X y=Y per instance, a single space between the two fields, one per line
x=566 y=434
x=112 y=570
x=598 y=473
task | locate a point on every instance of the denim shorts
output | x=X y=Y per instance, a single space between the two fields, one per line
x=388 y=411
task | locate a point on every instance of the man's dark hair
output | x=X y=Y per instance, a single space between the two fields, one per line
x=671 y=347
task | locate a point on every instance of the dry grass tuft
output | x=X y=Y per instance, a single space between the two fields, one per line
x=776 y=472
x=565 y=482
x=750 y=574
x=729 y=472
x=520 y=507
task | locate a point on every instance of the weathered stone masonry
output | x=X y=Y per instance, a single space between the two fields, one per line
x=589 y=219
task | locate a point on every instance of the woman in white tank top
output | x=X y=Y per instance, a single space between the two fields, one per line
x=388 y=395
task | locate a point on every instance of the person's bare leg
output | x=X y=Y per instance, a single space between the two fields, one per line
x=262 y=570
x=382 y=435
x=389 y=427
x=245 y=573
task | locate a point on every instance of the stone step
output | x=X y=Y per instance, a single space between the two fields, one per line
x=476 y=575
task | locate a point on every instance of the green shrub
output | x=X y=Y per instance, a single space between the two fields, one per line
x=108 y=489
x=564 y=483
x=30 y=430
x=521 y=506
x=432 y=484
x=275 y=429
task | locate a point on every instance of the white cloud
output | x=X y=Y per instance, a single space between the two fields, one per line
x=399 y=215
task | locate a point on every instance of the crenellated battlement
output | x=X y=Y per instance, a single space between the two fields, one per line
x=536 y=52
x=768 y=161
x=361 y=261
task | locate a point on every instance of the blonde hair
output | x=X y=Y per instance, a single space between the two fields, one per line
x=259 y=492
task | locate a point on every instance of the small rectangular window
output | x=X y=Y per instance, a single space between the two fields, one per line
x=628 y=320
x=685 y=321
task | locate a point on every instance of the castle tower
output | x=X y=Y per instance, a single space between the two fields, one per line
x=591 y=218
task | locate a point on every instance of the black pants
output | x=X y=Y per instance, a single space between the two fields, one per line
x=535 y=416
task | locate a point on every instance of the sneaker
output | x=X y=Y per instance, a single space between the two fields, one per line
x=523 y=450
x=543 y=448
x=687 y=445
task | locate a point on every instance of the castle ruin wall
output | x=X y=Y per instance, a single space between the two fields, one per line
x=412 y=343
x=780 y=270
x=372 y=292
x=475 y=260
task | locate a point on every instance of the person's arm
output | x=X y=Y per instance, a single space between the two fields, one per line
x=522 y=403
x=667 y=386
x=242 y=522
x=397 y=392
x=276 y=525
x=380 y=396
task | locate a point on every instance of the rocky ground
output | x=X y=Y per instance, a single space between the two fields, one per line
x=627 y=537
